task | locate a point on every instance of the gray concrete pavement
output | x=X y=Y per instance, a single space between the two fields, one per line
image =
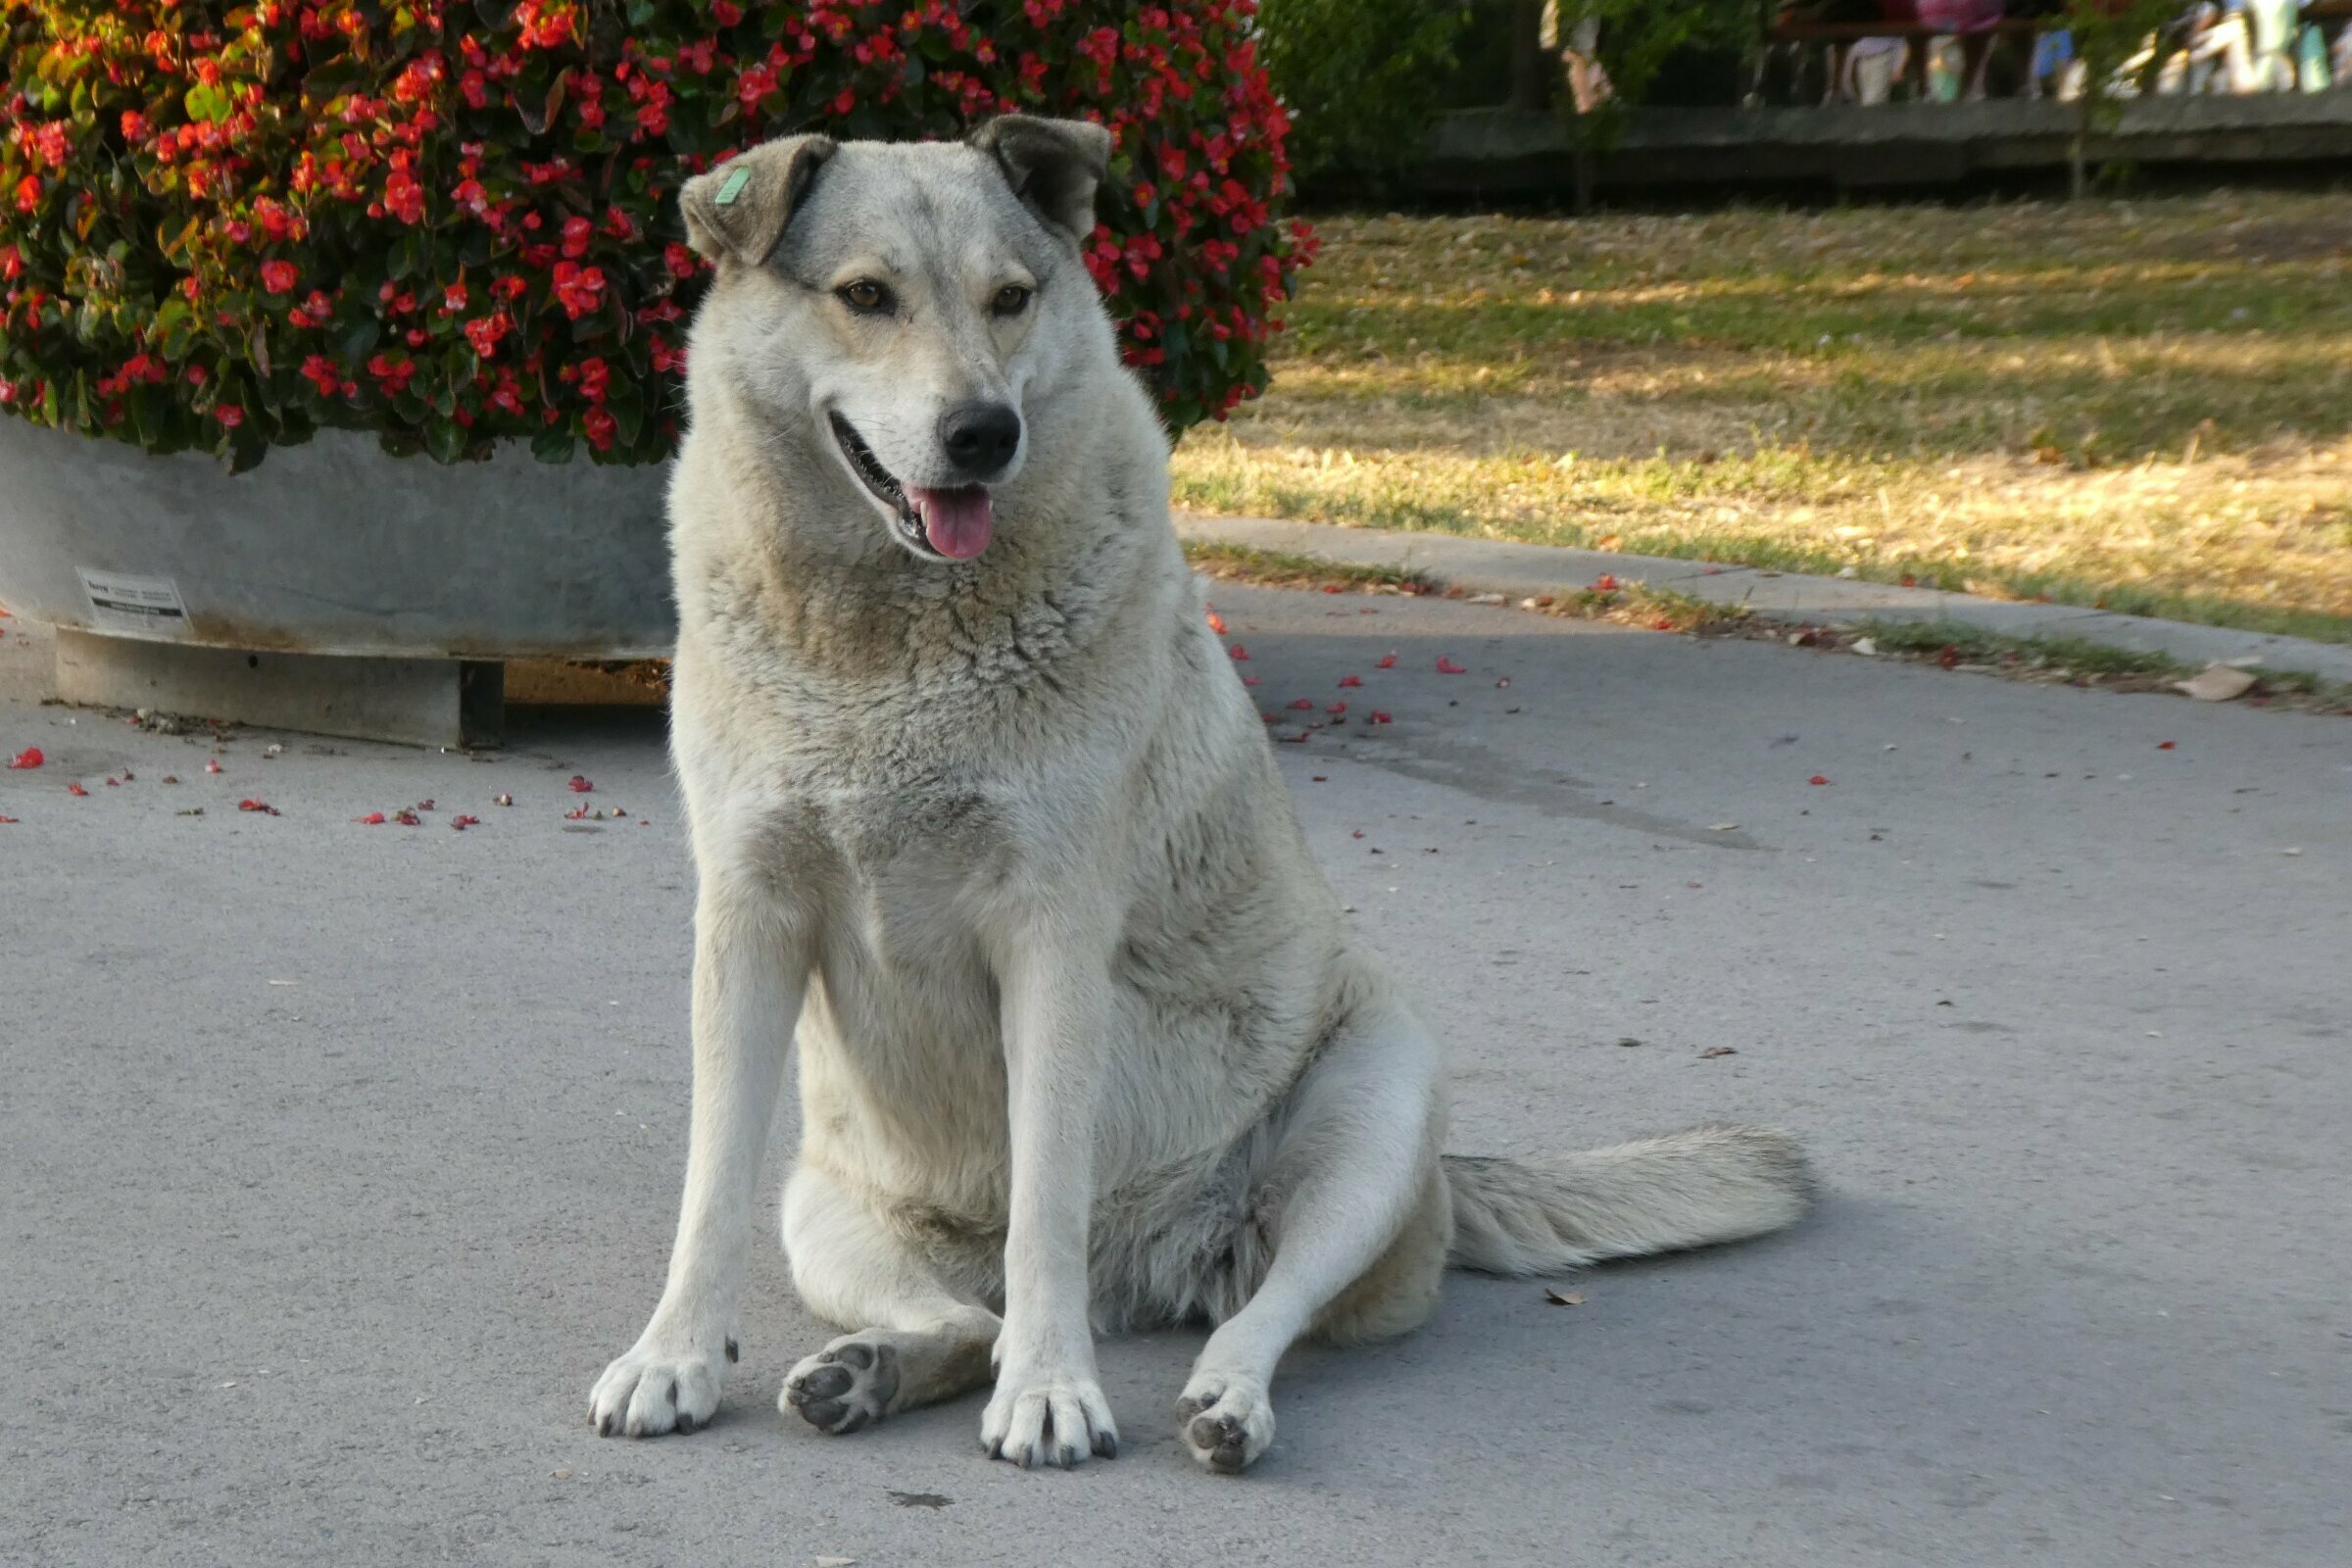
x=340 y=1158
x=1495 y=566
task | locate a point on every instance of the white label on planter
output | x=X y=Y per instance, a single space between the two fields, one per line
x=144 y=606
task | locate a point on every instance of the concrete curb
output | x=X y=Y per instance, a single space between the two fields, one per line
x=1486 y=566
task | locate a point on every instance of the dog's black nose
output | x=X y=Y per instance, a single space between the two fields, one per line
x=980 y=437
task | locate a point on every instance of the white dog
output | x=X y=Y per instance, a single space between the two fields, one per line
x=980 y=809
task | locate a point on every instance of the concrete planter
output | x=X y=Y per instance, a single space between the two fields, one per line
x=335 y=548
x=168 y=576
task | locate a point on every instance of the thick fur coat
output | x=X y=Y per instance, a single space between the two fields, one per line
x=982 y=815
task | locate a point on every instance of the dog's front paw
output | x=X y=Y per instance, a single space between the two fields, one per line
x=1226 y=1421
x=657 y=1388
x=1047 y=1418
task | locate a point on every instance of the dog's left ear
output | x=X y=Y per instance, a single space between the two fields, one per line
x=738 y=210
x=1053 y=166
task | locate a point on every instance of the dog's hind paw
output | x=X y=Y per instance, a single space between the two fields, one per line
x=652 y=1389
x=1226 y=1422
x=846 y=1385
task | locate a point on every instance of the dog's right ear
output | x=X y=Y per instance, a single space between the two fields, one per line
x=738 y=210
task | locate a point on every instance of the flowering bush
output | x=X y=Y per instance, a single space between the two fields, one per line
x=224 y=226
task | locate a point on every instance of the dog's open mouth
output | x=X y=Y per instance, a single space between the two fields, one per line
x=952 y=523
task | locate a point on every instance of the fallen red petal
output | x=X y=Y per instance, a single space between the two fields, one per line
x=263 y=806
x=1446 y=667
x=1253 y=681
x=579 y=785
x=372 y=819
x=1949 y=655
x=1332 y=588
x=1352 y=680
x=1337 y=708
x=1216 y=623
x=75 y=789
x=30 y=757
x=1817 y=779
x=579 y=814
x=1379 y=718
x=212 y=764
x=2166 y=746
x=1390 y=662
x=462 y=823
x=1606 y=583
x=1303 y=702
x=5 y=820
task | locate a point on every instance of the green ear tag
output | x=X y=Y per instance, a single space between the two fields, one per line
x=733 y=187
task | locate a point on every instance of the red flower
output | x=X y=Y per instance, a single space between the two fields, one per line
x=486 y=332
x=379 y=126
x=579 y=289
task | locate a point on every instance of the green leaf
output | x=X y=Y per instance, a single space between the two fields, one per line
x=553 y=444
x=357 y=340
x=445 y=441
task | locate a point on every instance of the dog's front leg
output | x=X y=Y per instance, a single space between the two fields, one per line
x=750 y=973
x=1049 y=1406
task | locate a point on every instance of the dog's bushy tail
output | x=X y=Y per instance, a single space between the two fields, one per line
x=1708 y=1184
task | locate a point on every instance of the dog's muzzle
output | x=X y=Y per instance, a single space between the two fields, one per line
x=952 y=524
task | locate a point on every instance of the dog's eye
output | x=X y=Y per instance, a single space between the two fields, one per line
x=1010 y=300
x=864 y=296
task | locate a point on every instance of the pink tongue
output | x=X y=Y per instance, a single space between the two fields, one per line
x=957 y=521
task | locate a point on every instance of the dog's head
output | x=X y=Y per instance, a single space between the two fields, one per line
x=914 y=308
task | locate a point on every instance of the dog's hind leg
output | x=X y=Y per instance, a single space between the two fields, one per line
x=915 y=1341
x=1359 y=1219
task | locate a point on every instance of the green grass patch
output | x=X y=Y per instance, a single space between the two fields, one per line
x=2138 y=406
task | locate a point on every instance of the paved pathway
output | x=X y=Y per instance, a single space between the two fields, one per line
x=340 y=1158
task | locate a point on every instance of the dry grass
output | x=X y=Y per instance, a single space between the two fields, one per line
x=2146 y=406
